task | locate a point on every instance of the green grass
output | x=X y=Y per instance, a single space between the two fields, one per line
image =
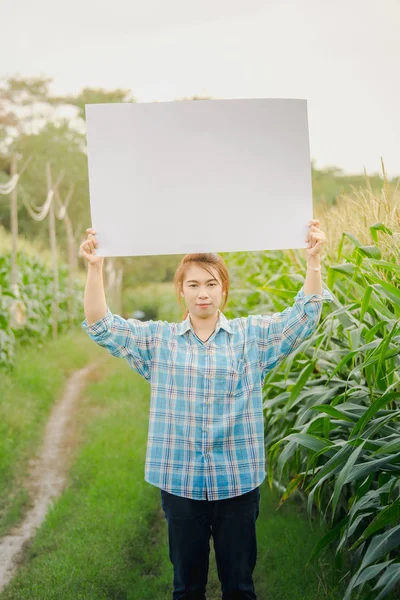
x=285 y=541
x=106 y=537
x=95 y=542
x=27 y=395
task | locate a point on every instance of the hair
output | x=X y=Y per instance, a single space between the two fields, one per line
x=204 y=260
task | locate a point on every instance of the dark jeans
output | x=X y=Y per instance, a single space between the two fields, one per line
x=232 y=523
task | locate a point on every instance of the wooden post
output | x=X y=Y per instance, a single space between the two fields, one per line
x=17 y=307
x=53 y=246
x=72 y=255
x=72 y=263
x=113 y=285
x=14 y=225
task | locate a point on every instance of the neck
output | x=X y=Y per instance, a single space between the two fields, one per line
x=205 y=324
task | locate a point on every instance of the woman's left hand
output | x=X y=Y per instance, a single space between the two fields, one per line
x=315 y=238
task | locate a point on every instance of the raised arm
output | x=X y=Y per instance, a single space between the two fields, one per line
x=94 y=299
x=279 y=334
x=124 y=338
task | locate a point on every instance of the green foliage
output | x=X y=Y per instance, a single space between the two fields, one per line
x=332 y=407
x=34 y=297
x=64 y=149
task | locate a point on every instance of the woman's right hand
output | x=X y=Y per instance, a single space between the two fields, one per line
x=88 y=248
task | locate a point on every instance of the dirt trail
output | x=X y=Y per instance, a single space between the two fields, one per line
x=48 y=472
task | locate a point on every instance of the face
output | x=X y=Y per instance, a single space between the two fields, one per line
x=199 y=287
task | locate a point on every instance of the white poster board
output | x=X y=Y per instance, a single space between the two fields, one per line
x=199 y=176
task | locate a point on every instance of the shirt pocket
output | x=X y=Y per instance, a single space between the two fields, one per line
x=226 y=381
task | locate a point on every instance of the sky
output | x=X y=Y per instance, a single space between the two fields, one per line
x=342 y=57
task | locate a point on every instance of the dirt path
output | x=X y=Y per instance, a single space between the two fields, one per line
x=48 y=472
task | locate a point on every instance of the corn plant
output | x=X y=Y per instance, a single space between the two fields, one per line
x=32 y=320
x=332 y=430
x=331 y=410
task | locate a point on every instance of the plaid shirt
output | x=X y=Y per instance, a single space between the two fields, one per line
x=206 y=425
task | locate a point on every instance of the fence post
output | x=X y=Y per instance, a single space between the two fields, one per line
x=113 y=283
x=14 y=225
x=53 y=245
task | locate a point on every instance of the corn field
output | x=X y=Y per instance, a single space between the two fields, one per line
x=332 y=430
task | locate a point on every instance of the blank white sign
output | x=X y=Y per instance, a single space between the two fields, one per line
x=199 y=176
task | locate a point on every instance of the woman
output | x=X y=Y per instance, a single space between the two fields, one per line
x=205 y=446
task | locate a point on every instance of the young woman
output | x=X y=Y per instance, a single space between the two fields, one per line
x=205 y=446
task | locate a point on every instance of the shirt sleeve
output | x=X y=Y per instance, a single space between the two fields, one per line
x=125 y=338
x=279 y=334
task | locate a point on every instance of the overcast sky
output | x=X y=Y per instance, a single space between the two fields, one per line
x=342 y=56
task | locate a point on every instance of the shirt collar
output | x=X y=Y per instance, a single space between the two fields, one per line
x=222 y=321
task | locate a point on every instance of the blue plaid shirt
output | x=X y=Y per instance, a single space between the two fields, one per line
x=206 y=425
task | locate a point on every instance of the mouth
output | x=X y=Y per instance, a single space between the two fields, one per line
x=203 y=305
